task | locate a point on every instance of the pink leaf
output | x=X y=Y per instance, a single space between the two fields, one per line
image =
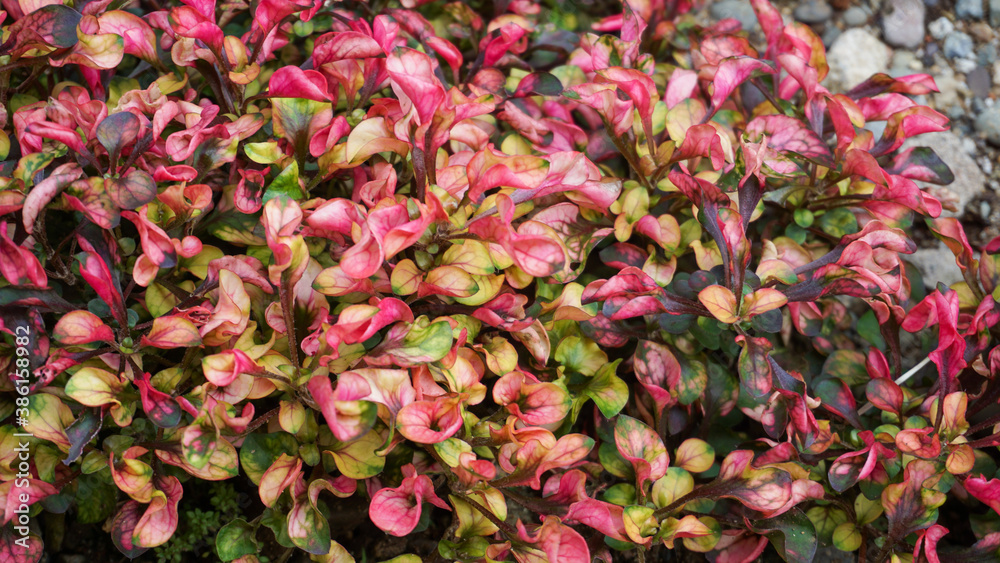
x=82 y=327
x=642 y=447
x=293 y=82
x=430 y=422
x=731 y=73
x=397 y=511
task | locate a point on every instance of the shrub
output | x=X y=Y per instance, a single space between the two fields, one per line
x=575 y=294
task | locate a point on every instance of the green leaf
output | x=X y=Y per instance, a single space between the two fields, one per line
x=792 y=534
x=235 y=540
x=847 y=537
x=357 y=459
x=825 y=520
x=95 y=499
x=259 y=451
x=607 y=390
x=580 y=354
x=838 y=222
x=694 y=380
x=285 y=185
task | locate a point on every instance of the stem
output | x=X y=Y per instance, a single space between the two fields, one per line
x=985 y=442
x=187 y=302
x=258 y=422
x=984 y=424
x=286 y=311
x=883 y=553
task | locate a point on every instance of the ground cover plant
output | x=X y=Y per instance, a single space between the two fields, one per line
x=507 y=281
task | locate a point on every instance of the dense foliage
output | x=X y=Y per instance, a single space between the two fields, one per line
x=538 y=283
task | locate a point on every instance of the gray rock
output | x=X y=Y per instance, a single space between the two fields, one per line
x=986 y=55
x=813 y=12
x=979 y=81
x=957 y=45
x=940 y=27
x=854 y=57
x=977 y=106
x=995 y=13
x=969 y=179
x=855 y=17
x=737 y=9
x=830 y=35
x=936 y=265
x=988 y=123
x=904 y=27
x=970 y=9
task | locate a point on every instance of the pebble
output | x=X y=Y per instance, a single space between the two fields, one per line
x=965 y=66
x=979 y=81
x=996 y=72
x=854 y=57
x=855 y=17
x=986 y=164
x=904 y=63
x=986 y=55
x=970 y=9
x=936 y=264
x=981 y=31
x=930 y=51
x=830 y=35
x=948 y=87
x=957 y=45
x=813 y=12
x=940 y=27
x=904 y=27
x=995 y=13
x=738 y=9
x=988 y=123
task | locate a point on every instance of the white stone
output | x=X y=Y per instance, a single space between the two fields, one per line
x=936 y=265
x=965 y=66
x=940 y=27
x=904 y=26
x=854 y=57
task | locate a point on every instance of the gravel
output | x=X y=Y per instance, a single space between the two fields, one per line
x=855 y=17
x=854 y=57
x=737 y=9
x=979 y=81
x=970 y=9
x=813 y=12
x=940 y=27
x=904 y=26
x=958 y=45
x=988 y=124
